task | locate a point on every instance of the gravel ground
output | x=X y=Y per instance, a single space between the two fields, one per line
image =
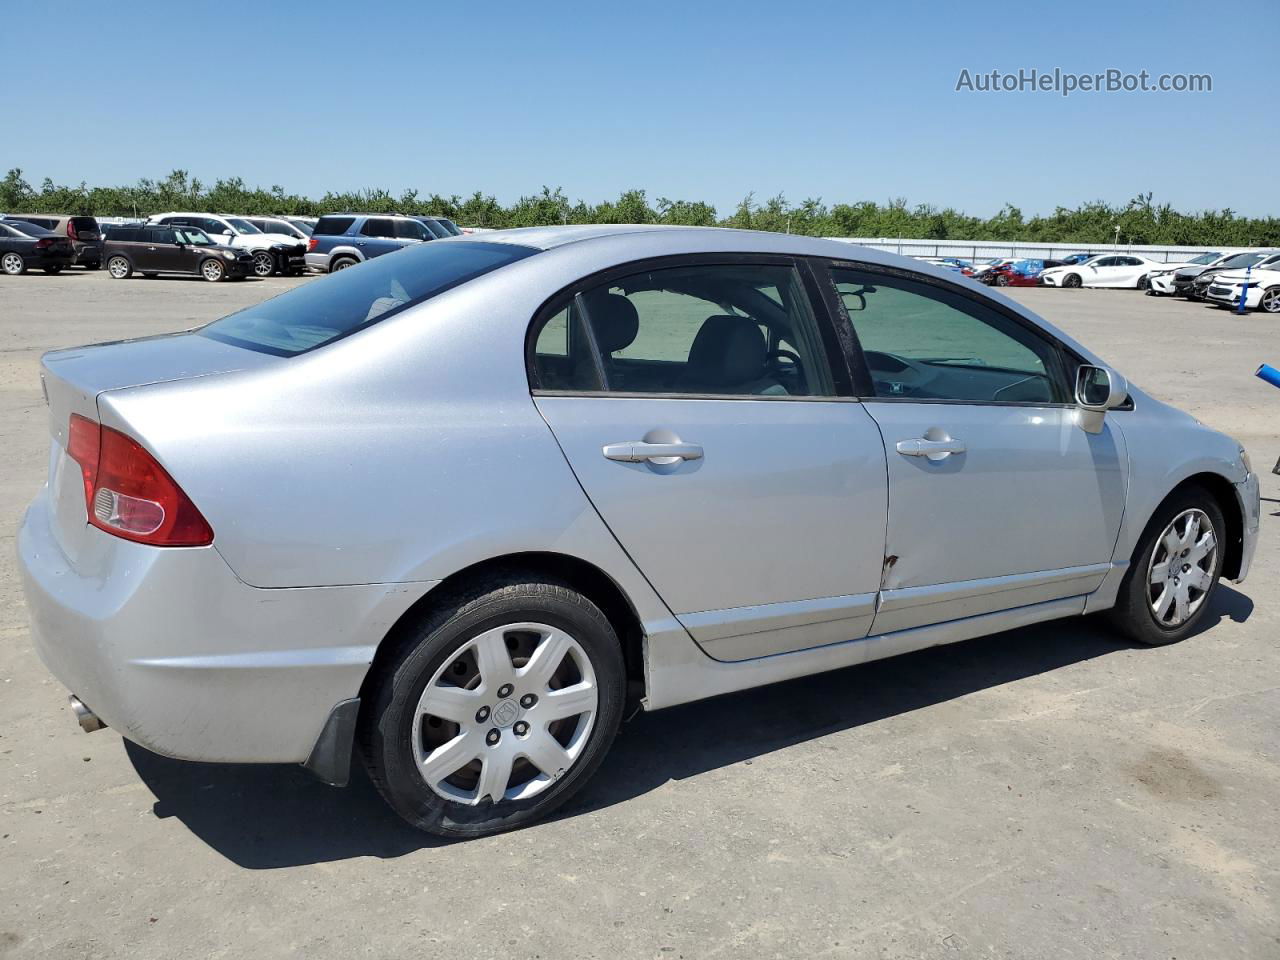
x=1048 y=792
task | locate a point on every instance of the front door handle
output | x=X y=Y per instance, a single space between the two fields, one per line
x=638 y=451
x=935 y=450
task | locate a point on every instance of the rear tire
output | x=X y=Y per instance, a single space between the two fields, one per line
x=1172 y=577
x=52 y=270
x=119 y=268
x=341 y=263
x=96 y=265
x=13 y=264
x=496 y=657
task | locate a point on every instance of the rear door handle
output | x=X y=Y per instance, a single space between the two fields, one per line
x=637 y=451
x=933 y=449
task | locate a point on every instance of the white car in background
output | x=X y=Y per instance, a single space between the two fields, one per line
x=1105 y=270
x=272 y=252
x=1160 y=282
x=1263 y=291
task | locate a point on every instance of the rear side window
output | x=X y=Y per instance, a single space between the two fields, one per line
x=332 y=226
x=123 y=234
x=341 y=303
x=378 y=227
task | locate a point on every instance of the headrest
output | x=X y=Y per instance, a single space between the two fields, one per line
x=614 y=321
x=728 y=350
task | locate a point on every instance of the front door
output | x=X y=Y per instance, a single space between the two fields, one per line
x=698 y=406
x=997 y=497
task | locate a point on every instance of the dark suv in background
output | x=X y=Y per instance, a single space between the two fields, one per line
x=343 y=240
x=83 y=232
x=152 y=249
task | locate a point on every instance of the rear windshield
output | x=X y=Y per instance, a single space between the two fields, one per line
x=342 y=303
x=84 y=223
x=30 y=229
x=331 y=226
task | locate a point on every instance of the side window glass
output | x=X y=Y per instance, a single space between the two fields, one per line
x=378 y=227
x=410 y=230
x=723 y=330
x=924 y=342
x=562 y=356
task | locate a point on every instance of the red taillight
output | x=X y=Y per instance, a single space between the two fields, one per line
x=44 y=242
x=71 y=231
x=128 y=494
x=311 y=244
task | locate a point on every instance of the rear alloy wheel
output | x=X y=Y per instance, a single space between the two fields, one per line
x=1071 y=280
x=498 y=708
x=119 y=268
x=212 y=270
x=264 y=265
x=13 y=264
x=1270 y=302
x=1174 y=571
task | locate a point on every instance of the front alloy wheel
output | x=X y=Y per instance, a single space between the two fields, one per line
x=263 y=264
x=1270 y=302
x=499 y=703
x=212 y=270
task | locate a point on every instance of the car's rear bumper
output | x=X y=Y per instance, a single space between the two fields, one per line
x=176 y=653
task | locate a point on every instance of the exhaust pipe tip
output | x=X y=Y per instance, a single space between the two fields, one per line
x=88 y=720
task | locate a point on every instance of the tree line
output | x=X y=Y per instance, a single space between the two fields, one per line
x=1140 y=221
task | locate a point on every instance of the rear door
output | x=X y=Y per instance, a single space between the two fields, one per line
x=997 y=497
x=378 y=236
x=705 y=408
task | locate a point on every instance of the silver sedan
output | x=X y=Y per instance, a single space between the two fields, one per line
x=450 y=511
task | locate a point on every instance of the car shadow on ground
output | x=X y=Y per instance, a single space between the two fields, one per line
x=263 y=817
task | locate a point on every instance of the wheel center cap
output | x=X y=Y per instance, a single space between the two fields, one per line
x=505 y=713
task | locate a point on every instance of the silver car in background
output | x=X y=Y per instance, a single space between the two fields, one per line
x=451 y=509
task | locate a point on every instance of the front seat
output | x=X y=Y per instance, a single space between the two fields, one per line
x=730 y=355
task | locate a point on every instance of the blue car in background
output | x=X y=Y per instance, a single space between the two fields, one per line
x=342 y=240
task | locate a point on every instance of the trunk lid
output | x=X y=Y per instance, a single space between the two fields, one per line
x=73 y=379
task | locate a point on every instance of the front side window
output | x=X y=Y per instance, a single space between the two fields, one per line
x=743 y=330
x=925 y=342
x=341 y=303
x=411 y=230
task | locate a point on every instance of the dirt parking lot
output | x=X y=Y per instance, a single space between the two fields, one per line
x=1049 y=792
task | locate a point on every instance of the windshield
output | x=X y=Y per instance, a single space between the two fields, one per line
x=280 y=227
x=193 y=236
x=244 y=226
x=349 y=300
x=1242 y=260
x=302 y=225
x=436 y=228
x=1205 y=258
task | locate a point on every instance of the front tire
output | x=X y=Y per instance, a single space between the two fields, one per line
x=212 y=270
x=264 y=265
x=1174 y=572
x=1071 y=280
x=513 y=689
x=13 y=264
x=1144 y=283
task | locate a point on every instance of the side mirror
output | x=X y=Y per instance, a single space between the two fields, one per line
x=1098 y=389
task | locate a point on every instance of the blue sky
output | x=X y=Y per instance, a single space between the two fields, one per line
x=694 y=100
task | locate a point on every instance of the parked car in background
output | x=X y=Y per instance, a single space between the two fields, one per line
x=1019 y=273
x=279 y=226
x=83 y=232
x=1193 y=282
x=345 y=239
x=463 y=503
x=440 y=227
x=1105 y=270
x=1260 y=287
x=152 y=249
x=271 y=252
x=1075 y=258
x=1160 y=283
x=305 y=224
x=24 y=245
